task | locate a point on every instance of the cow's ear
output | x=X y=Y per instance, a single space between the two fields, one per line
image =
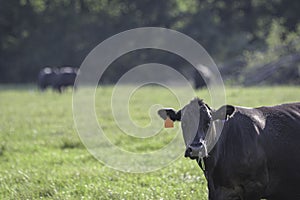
x=223 y=113
x=172 y=114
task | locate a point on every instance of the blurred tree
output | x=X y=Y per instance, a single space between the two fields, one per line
x=279 y=62
x=35 y=33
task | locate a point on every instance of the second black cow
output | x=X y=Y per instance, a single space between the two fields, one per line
x=257 y=155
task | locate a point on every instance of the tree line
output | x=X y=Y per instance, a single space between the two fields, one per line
x=241 y=35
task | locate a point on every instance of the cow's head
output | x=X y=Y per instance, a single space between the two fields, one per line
x=196 y=118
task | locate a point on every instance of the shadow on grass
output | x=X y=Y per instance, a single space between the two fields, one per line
x=71 y=143
x=2 y=148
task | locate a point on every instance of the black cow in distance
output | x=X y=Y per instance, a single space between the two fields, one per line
x=47 y=77
x=56 y=78
x=257 y=155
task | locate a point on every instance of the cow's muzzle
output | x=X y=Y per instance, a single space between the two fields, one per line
x=193 y=151
x=196 y=150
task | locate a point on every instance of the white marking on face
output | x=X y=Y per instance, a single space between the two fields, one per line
x=190 y=116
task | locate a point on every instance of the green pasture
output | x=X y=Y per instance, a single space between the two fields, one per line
x=42 y=157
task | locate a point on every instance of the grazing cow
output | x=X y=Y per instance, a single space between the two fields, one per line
x=257 y=154
x=65 y=78
x=46 y=78
x=56 y=78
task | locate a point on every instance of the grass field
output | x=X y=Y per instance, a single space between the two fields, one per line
x=41 y=155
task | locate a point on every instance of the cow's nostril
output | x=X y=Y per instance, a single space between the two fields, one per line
x=188 y=152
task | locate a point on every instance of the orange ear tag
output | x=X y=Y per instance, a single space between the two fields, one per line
x=169 y=123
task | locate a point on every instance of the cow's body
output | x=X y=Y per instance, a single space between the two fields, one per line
x=46 y=78
x=65 y=78
x=257 y=155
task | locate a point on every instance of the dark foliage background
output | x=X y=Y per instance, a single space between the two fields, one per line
x=253 y=41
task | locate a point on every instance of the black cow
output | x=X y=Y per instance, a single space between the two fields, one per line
x=56 y=78
x=65 y=78
x=47 y=77
x=256 y=156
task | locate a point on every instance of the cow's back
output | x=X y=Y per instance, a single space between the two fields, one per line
x=280 y=139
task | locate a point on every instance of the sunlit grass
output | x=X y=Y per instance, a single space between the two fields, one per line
x=41 y=155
